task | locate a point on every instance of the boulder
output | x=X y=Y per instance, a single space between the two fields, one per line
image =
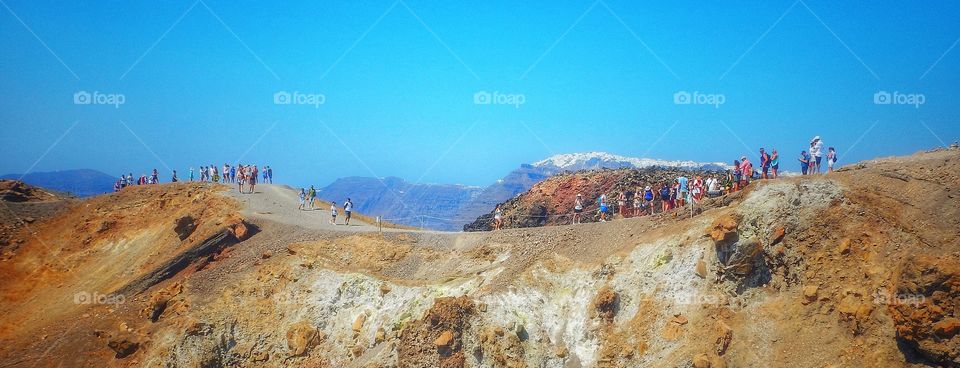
x=723 y=229
x=810 y=294
x=701 y=268
x=701 y=361
x=444 y=340
x=358 y=323
x=742 y=260
x=724 y=334
x=301 y=337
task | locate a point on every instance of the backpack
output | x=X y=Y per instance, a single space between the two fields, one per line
x=665 y=192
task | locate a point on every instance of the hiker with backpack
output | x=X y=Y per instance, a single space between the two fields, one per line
x=764 y=164
x=665 y=197
x=312 y=196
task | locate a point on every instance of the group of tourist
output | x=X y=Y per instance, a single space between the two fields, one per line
x=308 y=200
x=685 y=191
x=128 y=180
x=240 y=174
x=811 y=160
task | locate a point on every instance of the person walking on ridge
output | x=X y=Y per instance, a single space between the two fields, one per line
x=774 y=162
x=831 y=159
x=333 y=213
x=603 y=207
x=816 y=150
x=303 y=199
x=764 y=164
x=577 y=208
x=804 y=162
x=347 y=209
x=622 y=203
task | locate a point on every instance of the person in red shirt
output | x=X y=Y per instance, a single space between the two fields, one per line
x=747 y=169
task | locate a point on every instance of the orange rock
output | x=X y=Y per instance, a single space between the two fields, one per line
x=358 y=323
x=778 y=235
x=810 y=293
x=844 y=247
x=301 y=337
x=723 y=228
x=240 y=230
x=445 y=339
x=947 y=327
x=724 y=334
x=702 y=268
x=701 y=361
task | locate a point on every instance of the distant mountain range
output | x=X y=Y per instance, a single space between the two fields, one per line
x=449 y=207
x=81 y=183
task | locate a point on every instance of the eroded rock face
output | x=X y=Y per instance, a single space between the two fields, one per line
x=925 y=307
x=184 y=226
x=437 y=339
x=606 y=303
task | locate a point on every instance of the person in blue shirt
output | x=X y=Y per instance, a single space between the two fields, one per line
x=682 y=190
x=804 y=162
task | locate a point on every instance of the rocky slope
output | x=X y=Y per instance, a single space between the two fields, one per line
x=856 y=268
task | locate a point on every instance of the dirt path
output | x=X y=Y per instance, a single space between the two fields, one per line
x=279 y=203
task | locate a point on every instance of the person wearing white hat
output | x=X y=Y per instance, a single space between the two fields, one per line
x=816 y=150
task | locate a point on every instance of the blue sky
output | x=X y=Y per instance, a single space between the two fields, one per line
x=398 y=80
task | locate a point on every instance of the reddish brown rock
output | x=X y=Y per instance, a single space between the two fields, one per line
x=723 y=228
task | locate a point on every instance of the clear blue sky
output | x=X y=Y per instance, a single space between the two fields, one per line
x=399 y=83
